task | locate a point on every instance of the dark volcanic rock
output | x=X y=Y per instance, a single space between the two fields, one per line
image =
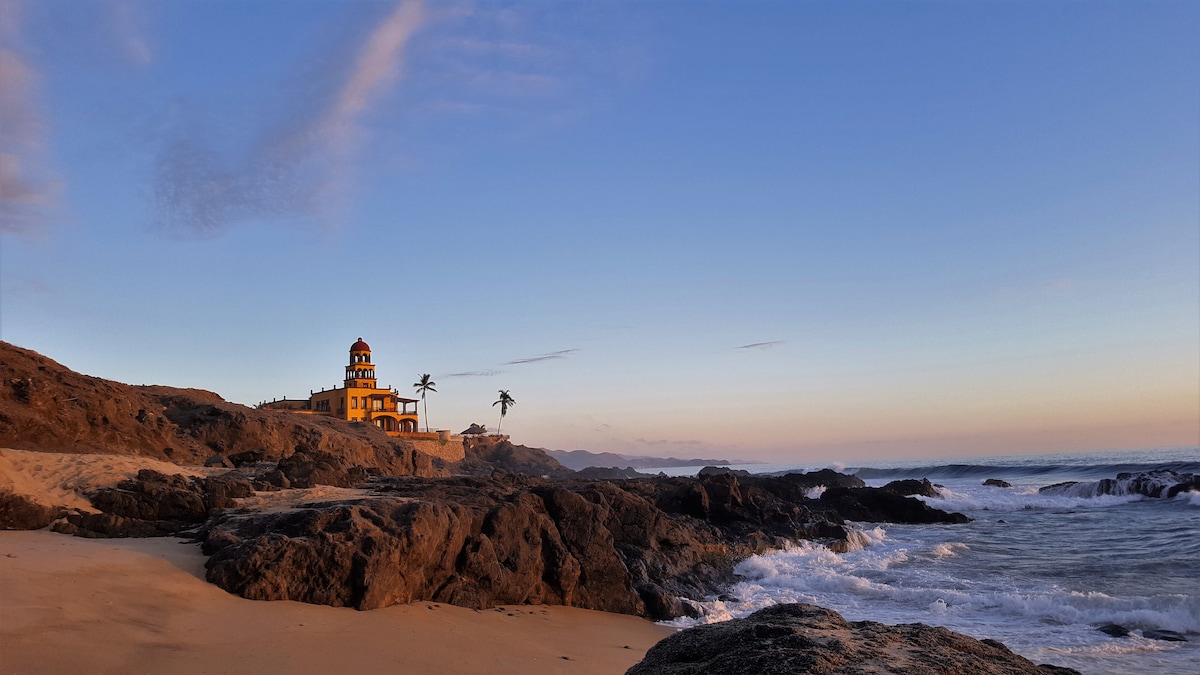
x=610 y=472
x=154 y=504
x=388 y=551
x=996 y=482
x=799 y=638
x=1154 y=484
x=218 y=460
x=1168 y=635
x=637 y=546
x=485 y=454
x=305 y=470
x=248 y=457
x=722 y=471
x=18 y=512
x=881 y=506
x=107 y=525
x=824 y=478
x=911 y=486
x=1114 y=630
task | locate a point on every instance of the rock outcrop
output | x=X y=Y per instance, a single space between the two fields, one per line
x=1154 y=484
x=610 y=472
x=884 y=506
x=485 y=454
x=911 y=486
x=800 y=638
x=19 y=512
x=636 y=546
x=154 y=504
x=46 y=406
x=721 y=471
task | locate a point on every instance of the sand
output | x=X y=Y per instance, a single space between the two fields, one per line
x=61 y=479
x=142 y=606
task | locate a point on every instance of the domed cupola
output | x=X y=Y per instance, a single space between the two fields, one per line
x=360 y=372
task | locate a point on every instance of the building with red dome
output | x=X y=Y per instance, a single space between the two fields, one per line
x=359 y=399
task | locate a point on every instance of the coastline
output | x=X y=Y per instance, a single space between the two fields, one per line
x=142 y=605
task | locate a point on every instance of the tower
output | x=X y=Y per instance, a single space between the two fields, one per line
x=360 y=373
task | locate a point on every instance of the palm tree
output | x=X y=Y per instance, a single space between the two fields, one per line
x=425 y=385
x=505 y=403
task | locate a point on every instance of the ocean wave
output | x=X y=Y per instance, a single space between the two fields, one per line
x=877 y=584
x=948 y=548
x=1150 y=484
x=1019 y=499
x=1191 y=496
x=1016 y=470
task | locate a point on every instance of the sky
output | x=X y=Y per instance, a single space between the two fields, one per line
x=780 y=231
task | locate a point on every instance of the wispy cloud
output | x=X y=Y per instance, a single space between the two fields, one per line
x=760 y=345
x=543 y=357
x=296 y=173
x=28 y=188
x=1059 y=285
x=29 y=287
x=130 y=36
x=473 y=373
x=689 y=446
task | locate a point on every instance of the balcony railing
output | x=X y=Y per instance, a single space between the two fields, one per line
x=370 y=413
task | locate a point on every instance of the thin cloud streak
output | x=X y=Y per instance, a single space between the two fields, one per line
x=129 y=35
x=544 y=357
x=473 y=373
x=378 y=64
x=292 y=175
x=760 y=345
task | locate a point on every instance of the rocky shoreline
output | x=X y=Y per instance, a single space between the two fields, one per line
x=798 y=638
x=507 y=525
x=646 y=546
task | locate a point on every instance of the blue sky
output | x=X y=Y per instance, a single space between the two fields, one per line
x=782 y=231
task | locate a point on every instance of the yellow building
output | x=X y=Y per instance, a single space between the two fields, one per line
x=359 y=399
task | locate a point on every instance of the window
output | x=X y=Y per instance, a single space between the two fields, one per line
x=353 y=401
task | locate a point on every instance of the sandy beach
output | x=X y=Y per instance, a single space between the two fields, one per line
x=69 y=604
x=141 y=606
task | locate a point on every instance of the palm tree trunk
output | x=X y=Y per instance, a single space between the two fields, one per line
x=426 y=404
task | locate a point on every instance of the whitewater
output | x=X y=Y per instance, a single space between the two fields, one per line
x=1039 y=572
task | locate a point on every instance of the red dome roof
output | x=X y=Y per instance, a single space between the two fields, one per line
x=360 y=346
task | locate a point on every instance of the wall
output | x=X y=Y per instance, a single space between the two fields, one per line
x=451 y=450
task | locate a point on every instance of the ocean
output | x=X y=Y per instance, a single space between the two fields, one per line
x=1038 y=572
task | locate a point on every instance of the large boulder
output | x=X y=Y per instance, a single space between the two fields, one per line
x=155 y=504
x=375 y=553
x=912 y=486
x=800 y=638
x=1154 y=484
x=883 y=506
x=21 y=512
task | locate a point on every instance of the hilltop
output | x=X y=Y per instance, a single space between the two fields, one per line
x=47 y=407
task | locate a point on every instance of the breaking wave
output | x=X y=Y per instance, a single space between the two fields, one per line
x=1020 y=471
